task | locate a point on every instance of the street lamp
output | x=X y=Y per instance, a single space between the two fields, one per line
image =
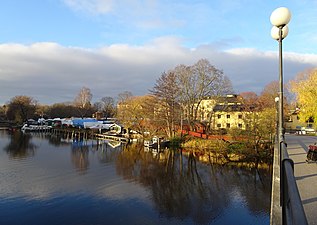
x=280 y=17
x=277 y=117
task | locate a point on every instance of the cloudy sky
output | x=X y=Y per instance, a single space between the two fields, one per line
x=50 y=49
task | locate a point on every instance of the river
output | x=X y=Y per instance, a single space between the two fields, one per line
x=47 y=180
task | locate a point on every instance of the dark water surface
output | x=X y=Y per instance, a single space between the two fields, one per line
x=46 y=180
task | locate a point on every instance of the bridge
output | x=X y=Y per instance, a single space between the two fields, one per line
x=294 y=197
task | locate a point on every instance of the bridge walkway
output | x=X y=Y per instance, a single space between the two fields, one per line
x=305 y=173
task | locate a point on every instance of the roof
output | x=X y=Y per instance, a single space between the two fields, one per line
x=228 y=108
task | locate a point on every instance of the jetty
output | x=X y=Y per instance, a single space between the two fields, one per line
x=111 y=137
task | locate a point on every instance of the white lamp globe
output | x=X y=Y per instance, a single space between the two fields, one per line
x=277 y=99
x=275 y=32
x=280 y=16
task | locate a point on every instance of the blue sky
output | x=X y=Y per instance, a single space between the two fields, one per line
x=49 y=49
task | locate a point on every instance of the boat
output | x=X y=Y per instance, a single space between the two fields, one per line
x=157 y=143
x=35 y=128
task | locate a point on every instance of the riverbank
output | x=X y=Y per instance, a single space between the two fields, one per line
x=226 y=152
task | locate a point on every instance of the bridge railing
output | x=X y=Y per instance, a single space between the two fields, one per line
x=292 y=208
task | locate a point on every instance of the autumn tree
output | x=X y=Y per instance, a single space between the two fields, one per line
x=167 y=108
x=250 y=100
x=83 y=101
x=135 y=113
x=260 y=114
x=124 y=99
x=41 y=110
x=21 y=108
x=304 y=87
x=268 y=95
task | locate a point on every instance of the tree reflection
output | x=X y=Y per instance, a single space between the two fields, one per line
x=79 y=156
x=20 y=146
x=184 y=188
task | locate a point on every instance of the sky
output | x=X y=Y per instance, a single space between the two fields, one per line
x=50 y=49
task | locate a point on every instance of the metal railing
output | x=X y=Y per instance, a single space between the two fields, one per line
x=292 y=208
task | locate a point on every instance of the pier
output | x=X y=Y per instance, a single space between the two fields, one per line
x=84 y=134
x=111 y=137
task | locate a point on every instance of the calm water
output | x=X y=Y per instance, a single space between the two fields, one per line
x=46 y=180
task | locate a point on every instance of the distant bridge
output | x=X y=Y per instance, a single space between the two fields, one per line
x=294 y=183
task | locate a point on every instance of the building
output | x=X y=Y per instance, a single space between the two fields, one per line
x=222 y=112
x=292 y=122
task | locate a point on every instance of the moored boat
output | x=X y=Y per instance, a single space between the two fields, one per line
x=35 y=128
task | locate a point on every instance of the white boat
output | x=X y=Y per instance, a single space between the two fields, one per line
x=157 y=143
x=35 y=128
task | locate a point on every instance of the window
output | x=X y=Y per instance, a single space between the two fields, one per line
x=228 y=125
x=228 y=116
x=240 y=125
x=219 y=116
x=240 y=116
x=219 y=125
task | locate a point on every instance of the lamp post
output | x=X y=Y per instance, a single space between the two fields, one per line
x=280 y=17
x=277 y=114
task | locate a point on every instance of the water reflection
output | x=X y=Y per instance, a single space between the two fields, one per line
x=183 y=187
x=79 y=156
x=169 y=185
x=20 y=146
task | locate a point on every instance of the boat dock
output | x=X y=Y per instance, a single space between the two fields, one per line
x=111 y=137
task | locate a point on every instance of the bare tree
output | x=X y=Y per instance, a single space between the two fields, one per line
x=123 y=107
x=167 y=110
x=83 y=101
x=198 y=82
x=124 y=96
x=109 y=107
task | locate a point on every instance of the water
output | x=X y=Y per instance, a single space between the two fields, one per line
x=46 y=180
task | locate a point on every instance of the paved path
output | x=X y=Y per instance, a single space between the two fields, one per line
x=305 y=173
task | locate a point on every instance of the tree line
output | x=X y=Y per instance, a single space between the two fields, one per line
x=175 y=98
x=21 y=108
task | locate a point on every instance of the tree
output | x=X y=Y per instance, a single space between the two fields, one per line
x=124 y=96
x=304 y=87
x=62 y=110
x=109 y=108
x=82 y=101
x=135 y=113
x=21 y=108
x=250 y=100
x=3 y=115
x=167 y=110
x=198 y=82
x=123 y=107
x=268 y=95
x=260 y=114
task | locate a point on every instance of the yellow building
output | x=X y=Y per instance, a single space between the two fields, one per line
x=293 y=123
x=222 y=112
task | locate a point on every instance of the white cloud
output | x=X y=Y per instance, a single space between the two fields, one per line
x=94 y=7
x=53 y=73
